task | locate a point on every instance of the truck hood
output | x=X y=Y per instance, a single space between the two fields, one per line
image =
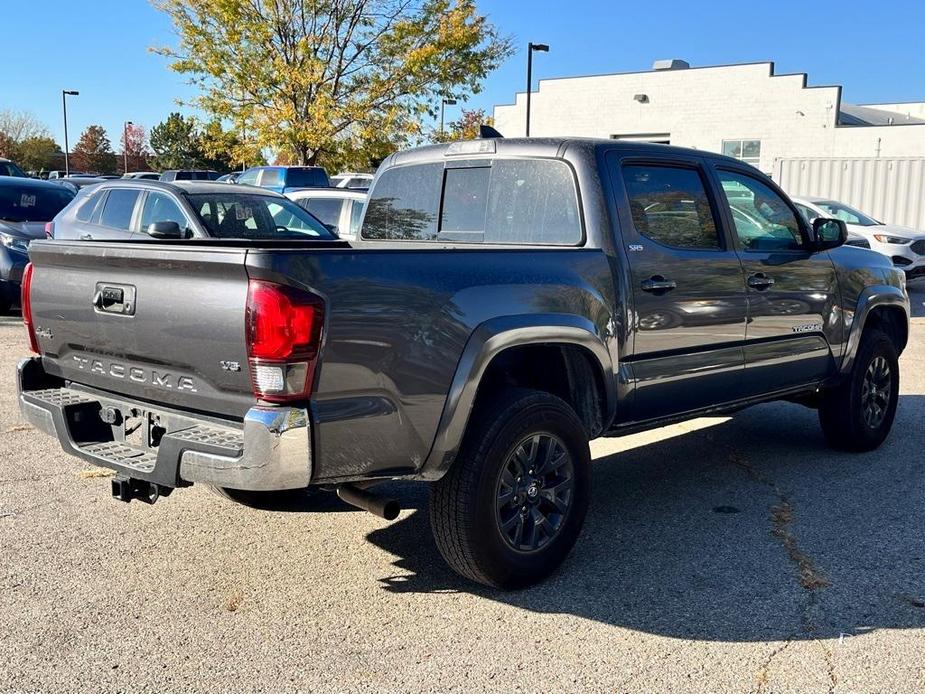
x=24 y=230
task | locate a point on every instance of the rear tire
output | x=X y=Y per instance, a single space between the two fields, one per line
x=858 y=414
x=511 y=507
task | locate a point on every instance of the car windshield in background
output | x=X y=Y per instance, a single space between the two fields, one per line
x=849 y=215
x=31 y=203
x=8 y=168
x=234 y=215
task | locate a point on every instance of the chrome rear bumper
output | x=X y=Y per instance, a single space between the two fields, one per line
x=270 y=450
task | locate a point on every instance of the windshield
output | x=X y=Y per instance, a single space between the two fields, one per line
x=8 y=168
x=235 y=215
x=32 y=203
x=847 y=214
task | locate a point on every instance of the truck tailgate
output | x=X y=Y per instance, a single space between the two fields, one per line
x=158 y=322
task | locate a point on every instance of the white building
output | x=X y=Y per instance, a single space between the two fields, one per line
x=742 y=110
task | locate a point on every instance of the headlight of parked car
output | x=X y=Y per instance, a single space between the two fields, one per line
x=15 y=243
x=883 y=238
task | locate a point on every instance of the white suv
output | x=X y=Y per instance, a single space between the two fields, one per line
x=905 y=246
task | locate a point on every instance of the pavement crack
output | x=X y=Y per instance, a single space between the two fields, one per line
x=782 y=515
x=829 y=655
x=764 y=673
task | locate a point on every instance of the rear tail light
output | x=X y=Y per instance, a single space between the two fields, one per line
x=49 y=230
x=283 y=327
x=25 y=302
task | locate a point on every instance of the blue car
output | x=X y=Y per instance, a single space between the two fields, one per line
x=26 y=205
x=283 y=179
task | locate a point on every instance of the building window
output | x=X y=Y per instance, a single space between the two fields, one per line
x=748 y=151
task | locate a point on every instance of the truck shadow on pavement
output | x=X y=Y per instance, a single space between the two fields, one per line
x=747 y=530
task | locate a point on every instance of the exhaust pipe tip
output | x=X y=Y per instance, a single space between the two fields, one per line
x=381 y=506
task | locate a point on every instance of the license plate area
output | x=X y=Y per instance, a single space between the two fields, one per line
x=142 y=428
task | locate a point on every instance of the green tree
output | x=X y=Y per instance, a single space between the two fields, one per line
x=225 y=150
x=39 y=153
x=93 y=152
x=316 y=77
x=176 y=143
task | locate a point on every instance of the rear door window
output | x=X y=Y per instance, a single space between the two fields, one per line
x=325 y=209
x=118 y=209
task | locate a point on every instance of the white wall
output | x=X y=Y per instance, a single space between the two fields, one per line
x=701 y=107
x=889 y=189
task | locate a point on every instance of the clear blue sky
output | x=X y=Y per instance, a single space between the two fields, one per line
x=100 y=47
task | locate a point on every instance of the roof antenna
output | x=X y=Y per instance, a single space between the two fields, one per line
x=486 y=132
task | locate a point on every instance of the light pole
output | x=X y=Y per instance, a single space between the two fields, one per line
x=445 y=102
x=542 y=48
x=125 y=146
x=65 y=93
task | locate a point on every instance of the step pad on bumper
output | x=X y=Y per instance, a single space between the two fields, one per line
x=232 y=441
x=62 y=397
x=140 y=459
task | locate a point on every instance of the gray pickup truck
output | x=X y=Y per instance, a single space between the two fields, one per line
x=508 y=301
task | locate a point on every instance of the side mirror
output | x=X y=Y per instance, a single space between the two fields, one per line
x=829 y=233
x=166 y=230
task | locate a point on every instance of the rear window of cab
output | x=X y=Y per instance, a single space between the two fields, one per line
x=498 y=201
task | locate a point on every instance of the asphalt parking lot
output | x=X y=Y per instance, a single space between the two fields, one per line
x=726 y=554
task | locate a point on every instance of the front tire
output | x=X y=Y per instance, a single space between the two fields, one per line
x=510 y=509
x=858 y=414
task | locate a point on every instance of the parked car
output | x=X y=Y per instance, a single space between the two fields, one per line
x=283 y=179
x=26 y=204
x=143 y=175
x=189 y=175
x=52 y=175
x=903 y=245
x=229 y=177
x=77 y=181
x=138 y=209
x=485 y=331
x=338 y=209
x=352 y=180
x=10 y=168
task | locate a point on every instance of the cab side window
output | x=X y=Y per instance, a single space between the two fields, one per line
x=763 y=220
x=249 y=177
x=669 y=204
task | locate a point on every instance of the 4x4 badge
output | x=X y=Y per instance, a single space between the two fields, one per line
x=230 y=365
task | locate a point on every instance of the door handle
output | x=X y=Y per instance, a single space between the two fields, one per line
x=86 y=237
x=760 y=281
x=658 y=285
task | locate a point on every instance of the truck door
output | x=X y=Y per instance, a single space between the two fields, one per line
x=792 y=291
x=688 y=286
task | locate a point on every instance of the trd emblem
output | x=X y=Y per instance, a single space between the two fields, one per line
x=230 y=365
